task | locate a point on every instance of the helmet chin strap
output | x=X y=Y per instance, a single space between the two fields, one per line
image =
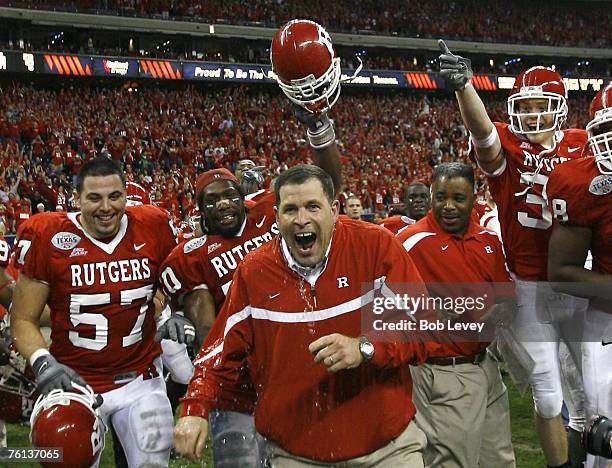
x=355 y=73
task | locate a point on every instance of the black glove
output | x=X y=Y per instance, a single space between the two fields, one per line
x=456 y=70
x=314 y=122
x=176 y=328
x=51 y=375
x=252 y=180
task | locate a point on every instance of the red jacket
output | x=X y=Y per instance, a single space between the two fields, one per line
x=272 y=314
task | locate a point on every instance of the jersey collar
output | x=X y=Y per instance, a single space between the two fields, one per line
x=109 y=247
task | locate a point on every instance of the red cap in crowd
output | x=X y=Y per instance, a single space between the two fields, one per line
x=211 y=176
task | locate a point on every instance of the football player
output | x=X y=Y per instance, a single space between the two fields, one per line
x=517 y=159
x=7 y=282
x=97 y=270
x=580 y=194
x=417 y=202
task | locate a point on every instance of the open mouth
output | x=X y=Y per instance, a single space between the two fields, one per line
x=305 y=241
x=450 y=219
x=105 y=220
x=227 y=219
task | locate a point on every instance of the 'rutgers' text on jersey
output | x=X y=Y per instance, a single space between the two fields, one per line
x=210 y=261
x=100 y=294
x=524 y=216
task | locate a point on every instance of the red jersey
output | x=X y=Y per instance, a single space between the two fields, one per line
x=272 y=314
x=476 y=257
x=100 y=294
x=210 y=262
x=524 y=216
x=253 y=198
x=581 y=195
x=5 y=253
x=396 y=223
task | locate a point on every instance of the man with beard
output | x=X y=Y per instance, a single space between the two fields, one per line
x=417 y=203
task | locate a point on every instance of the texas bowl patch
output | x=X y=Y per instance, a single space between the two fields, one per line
x=601 y=185
x=65 y=240
x=194 y=244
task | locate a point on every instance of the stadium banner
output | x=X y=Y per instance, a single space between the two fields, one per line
x=485 y=82
x=572 y=84
x=161 y=69
x=112 y=66
x=82 y=65
x=62 y=64
x=231 y=73
x=421 y=80
x=377 y=78
x=20 y=62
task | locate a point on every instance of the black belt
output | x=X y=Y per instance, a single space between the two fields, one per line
x=453 y=361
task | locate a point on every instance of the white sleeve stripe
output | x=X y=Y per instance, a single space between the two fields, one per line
x=298 y=317
x=414 y=240
x=495 y=173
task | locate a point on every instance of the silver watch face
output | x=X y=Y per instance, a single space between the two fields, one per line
x=367 y=349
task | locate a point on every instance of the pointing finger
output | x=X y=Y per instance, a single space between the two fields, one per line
x=443 y=47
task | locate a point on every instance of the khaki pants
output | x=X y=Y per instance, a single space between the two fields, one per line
x=405 y=451
x=464 y=412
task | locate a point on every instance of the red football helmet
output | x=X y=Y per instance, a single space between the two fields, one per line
x=538 y=83
x=17 y=388
x=305 y=63
x=599 y=129
x=67 y=420
x=136 y=195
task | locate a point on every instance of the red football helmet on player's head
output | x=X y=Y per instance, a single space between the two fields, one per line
x=136 y=195
x=68 y=420
x=599 y=129
x=305 y=63
x=539 y=83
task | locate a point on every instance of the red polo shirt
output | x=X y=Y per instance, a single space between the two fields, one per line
x=475 y=258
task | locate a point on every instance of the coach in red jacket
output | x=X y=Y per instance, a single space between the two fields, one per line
x=460 y=259
x=294 y=310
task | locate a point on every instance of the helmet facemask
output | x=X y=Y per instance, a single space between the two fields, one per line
x=599 y=131
x=556 y=107
x=316 y=95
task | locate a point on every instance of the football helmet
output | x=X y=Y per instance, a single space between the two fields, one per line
x=17 y=385
x=306 y=66
x=599 y=129
x=538 y=83
x=69 y=421
x=136 y=194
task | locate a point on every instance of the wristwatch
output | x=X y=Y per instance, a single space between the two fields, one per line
x=366 y=348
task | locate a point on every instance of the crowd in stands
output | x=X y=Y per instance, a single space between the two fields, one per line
x=165 y=137
x=561 y=23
